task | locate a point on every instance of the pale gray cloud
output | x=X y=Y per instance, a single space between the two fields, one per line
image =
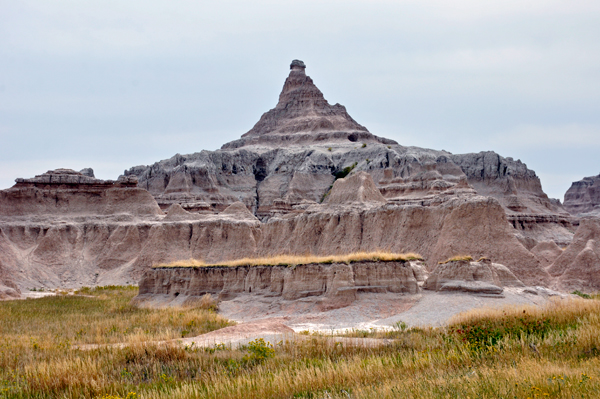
x=111 y=84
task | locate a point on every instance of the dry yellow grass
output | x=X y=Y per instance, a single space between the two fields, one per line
x=457 y=258
x=558 y=358
x=558 y=310
x=291 y=260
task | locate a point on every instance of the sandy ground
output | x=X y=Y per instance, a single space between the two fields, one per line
x=277 y=320
x=373 y=310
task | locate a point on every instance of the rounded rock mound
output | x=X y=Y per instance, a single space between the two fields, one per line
x=356 y=188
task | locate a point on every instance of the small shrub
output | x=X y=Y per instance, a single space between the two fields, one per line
x=259 y=350
x=581 y=294
x=364 y=145
x=206 y=302
x=345 y=172
x=400 y=325
x=329 y=149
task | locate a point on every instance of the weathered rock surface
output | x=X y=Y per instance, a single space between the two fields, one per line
x=357 y=188
x=583 y=197
x=337 y=284
x=518 y=189
x=298 y=149
x=89 y=250
x=546 y=252
x=578 y=267
x=66 y=192
x=266 y=194
x=302 y=115
x=72 y=252
x=481 y=277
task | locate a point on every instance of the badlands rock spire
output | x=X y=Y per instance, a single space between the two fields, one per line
x=307 y=178
x=302 y=116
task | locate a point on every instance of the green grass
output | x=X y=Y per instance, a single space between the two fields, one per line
x=545 y=352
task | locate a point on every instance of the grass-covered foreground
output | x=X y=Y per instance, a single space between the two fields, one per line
x=514 y=353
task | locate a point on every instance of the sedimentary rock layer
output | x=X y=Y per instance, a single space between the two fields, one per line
x=295 y=152
x=482 y=277
x=584 y=196
x=97 y=249
x=66 y=192
x=578 y=266
x=337 y=283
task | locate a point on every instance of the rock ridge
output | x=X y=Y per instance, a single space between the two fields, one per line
x=583 y=197
x=336 y=285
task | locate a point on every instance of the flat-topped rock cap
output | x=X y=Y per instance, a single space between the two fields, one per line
x=298 y=64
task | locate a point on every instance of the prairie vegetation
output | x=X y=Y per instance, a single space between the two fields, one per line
x=514 y=352
x=292 y=260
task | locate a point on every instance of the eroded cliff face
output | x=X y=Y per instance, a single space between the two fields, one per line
x=42 y=251
x=336 y=284
x=578 y=266
x=583 y=197
x=306 y=179
x=295 y=152
x=67 y=192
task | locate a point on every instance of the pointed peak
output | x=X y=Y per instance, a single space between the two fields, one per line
x=303 y=108
x=302 y=116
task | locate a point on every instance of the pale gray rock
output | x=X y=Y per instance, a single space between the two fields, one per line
x=356 y=188
x=89 y=172
x=483 y=277
x=578 y=266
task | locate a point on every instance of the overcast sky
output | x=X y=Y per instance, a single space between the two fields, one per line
x=111 y=84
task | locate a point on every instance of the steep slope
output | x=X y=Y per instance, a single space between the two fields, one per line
x=306 y=178
x=583 y=197
x=578 y=266
x=296 y=151
x=65 y=191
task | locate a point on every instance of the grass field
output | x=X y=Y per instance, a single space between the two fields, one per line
x=511 y=353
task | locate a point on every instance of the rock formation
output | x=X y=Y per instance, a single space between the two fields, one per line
x=336 y=284
x=481 y=277
x=583 y=197
x=71 y=250
x=306 y=178
x=303 y=116
x=546 y=252
x=64 y=191
x=299 y=148
x=578 y=267
x=357 y=188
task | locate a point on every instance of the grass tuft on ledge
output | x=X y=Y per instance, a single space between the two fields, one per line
x=293 y=260
x=458 y=258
